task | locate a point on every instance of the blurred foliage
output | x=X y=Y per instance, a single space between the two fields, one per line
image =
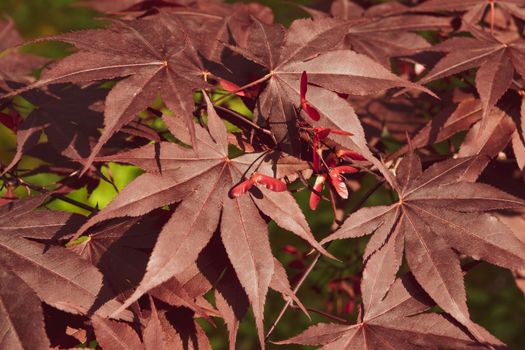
x=493 y=298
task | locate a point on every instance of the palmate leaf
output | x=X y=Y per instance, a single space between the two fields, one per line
x=118 y=250
x=232 y=306
x=444 y=125
x=305 y=47
x=497 y=59
x=379 y=36
x=482 y=141
x=154 y=54
x=486 y=143
x=201 y=178
x=195 y=223
x=437 y=213
x=398 y=321
x=59 y=277
x=174 y=329
x=211 y=23
x=153 y=334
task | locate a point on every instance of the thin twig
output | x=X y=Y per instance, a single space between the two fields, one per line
x=61 y=197
x=247 y=121
x=74 y=202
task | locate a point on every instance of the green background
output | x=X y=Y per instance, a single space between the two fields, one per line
x=494 y=301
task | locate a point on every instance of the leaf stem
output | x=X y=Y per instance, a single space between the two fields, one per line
x=249 y=85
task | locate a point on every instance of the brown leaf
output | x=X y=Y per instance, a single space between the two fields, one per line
x=432 y=219
x=485 y=140
x=201 y=178
x=280 y=283
x=497 y=61
x=155 y=55
x=444 y=125
x=397 y=322
x=59 y=277
x=22 y=219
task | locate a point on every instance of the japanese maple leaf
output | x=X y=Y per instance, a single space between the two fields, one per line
x=306 y=46
x=438 y=214
x=154 y=54
x=497 y=60
x=384 y=38
x=232 y=306
x=380 y=36
x=14 y=66
x=398 y=117
x=475 y=9
x=118 y=249
x=59 y=277
x=518 y=139
x=399 y=321
x=202 y=178
x=444 y=125
x=347 y=9
x=173 y=329
x=485 y=143
x=516 y=221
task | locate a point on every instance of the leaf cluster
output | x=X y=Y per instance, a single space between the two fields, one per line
x=231 y=118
